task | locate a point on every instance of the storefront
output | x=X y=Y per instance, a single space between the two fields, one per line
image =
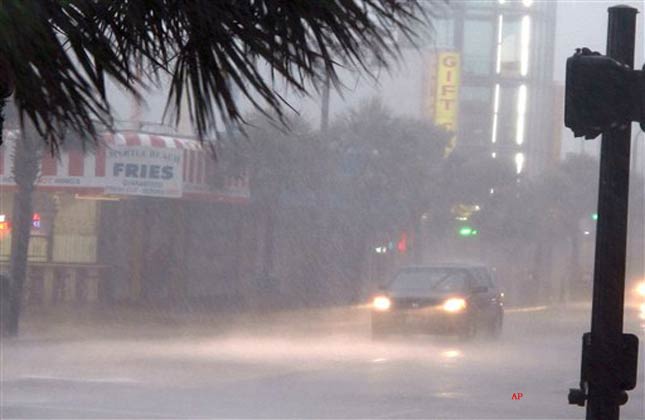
x=121 y=222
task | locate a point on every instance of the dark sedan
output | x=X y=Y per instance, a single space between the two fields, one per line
x=441 y=299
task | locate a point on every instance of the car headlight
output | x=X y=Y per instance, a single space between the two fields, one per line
x=640 y=289
x=454 y=305
x=382 y=303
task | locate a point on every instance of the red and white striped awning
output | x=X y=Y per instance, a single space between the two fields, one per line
x=90 y=172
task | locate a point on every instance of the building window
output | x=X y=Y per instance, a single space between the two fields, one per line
x=475 y=103
x=513 y=45
x=443 y=35
x=75 y=231
x=524 y=45
x=509 y=48
x=478 y=47
x=479 y=96
x=506 y=117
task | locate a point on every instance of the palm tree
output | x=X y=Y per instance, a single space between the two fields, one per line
x=56 y=56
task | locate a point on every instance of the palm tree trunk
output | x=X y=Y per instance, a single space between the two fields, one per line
x=26 y=164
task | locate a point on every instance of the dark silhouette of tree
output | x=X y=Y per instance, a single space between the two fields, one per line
x=384 y=176
x=282 y=165
x=534 y=216
x=366 y=178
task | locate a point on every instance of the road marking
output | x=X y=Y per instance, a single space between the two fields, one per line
x=528 y=309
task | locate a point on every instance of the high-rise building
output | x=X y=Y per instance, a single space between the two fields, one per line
x=491 y=79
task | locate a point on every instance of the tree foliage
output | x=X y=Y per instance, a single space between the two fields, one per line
x=385 y=167
x=58 y=54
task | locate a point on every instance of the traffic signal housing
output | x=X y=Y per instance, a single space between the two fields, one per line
x=601 y=93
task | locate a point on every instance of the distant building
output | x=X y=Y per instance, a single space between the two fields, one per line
x=485 y=71
x=501 y=97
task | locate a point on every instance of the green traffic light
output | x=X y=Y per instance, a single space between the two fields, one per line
x=467 y=231
x=594 y=216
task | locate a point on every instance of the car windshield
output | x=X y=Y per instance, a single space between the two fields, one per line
x=429 y=280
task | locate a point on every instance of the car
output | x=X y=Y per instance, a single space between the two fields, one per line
x=453 y=299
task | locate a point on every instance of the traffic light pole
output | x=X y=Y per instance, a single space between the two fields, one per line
x=604 y=383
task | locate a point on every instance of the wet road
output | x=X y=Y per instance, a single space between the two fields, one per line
x=303 y=367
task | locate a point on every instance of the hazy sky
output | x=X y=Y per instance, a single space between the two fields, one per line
x=579 y=23
x=583 y=23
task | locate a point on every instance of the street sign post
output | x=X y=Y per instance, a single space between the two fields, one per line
x=608 y=366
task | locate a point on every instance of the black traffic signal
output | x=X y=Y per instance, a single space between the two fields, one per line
x=601 y=93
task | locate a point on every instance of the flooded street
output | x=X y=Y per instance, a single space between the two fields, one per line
x=308 y=364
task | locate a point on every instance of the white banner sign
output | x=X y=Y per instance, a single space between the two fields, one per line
x=153 y=172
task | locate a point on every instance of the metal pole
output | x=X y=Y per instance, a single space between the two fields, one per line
x=605 y=395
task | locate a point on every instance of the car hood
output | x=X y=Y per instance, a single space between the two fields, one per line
x=430 y=295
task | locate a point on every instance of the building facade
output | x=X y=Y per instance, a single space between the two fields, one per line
x=500 y=96
x=143 y=217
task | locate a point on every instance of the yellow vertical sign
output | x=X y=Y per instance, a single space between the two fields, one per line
x=447 y=95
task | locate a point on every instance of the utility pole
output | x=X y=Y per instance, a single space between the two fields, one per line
x=605 y=393
x=609 y=357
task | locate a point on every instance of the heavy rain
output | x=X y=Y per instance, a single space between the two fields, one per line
x=279 y=209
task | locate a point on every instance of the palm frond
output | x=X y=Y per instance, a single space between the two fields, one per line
x=61 y=52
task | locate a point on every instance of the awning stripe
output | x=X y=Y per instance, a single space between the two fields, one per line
x=62 y=167
x=48 y=165
x=144 y=140
x=89 y=164
x=156 y=141
x=132 y=139
x=100 y=162
x=76 y=163
x=80 y=171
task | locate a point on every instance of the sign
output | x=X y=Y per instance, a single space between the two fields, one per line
x=447 y=94
x=143 y=171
